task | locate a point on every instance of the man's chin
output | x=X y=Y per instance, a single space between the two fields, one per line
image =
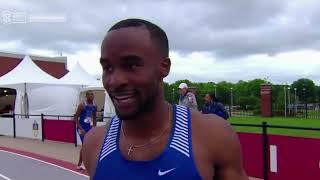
x=134 y=110
x=127 y=115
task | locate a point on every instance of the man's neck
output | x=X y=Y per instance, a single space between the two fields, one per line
x=149 y=124
x=89 y=101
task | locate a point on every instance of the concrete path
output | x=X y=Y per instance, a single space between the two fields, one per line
x=57 y=150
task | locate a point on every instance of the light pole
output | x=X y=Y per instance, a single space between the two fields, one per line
x=231 y=101
x=295 y=100
x=289 y=101
x=285 y=101
x=305 y=102
x=172 y=95
x=215 y=90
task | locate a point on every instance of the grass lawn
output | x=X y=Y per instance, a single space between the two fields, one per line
x=281 y=121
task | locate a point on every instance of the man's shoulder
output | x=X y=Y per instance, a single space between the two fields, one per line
x=211 y=122
x=94 y=139
x=91 y=148
x=98 y=132
x=80 y=109
x=95 y=136
x=215 y=128
x=219 y=143
x=219 y=104
x=81 y=105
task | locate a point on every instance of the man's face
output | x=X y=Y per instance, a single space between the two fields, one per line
x=183 y=91
x=89 y=96
x=131 y=70
x=207 y=98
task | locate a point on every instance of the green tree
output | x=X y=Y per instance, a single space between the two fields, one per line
x=278 y=99
x=248 y=102
x=247 y=93
x=254 y=87
x=167 y=92
x=307 y=87
x=224 y=91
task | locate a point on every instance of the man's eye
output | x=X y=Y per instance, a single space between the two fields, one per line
x=132 y=66
x=107 y=68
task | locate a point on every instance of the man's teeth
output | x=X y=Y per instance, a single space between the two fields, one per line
x=123 y=97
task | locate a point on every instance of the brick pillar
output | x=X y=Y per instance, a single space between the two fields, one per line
x=266 y=100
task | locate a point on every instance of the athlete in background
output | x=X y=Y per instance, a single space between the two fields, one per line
x=85 y=117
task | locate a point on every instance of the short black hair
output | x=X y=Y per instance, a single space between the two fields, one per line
x=157 y=34
x=212 y=95
x=89 y=91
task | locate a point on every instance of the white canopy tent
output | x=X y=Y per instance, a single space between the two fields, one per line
x=78 y=76
x=27 y=72
x=38 y=92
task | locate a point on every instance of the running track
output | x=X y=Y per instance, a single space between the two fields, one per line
x=19 y=165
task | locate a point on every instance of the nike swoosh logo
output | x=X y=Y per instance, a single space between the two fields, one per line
x=161 y=173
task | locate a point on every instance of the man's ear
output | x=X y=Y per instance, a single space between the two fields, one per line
x=165 y=67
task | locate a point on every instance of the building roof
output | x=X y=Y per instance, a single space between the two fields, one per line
x=55 y=66
x=61 y=59
x=27 y=72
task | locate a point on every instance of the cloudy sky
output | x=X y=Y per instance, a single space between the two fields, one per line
x=210 y=40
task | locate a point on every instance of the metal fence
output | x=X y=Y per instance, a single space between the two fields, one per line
x=43 y=117
x=265 y=141
x=264 y=129
x=309 y=112
x=288 y=107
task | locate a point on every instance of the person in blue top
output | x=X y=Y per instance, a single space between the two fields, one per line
x=85 y=118
x=212 y=106
x=150 y=138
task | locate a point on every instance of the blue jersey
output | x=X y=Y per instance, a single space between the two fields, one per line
x=175 y=162
x=86 y=115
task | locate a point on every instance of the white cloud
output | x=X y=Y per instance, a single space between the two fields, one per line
x=210 y=40
x=88 y=59
x=284 y=67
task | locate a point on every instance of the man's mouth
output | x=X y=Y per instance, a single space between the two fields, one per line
x=124 y=99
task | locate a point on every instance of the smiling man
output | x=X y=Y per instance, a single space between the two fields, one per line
x=149 y=138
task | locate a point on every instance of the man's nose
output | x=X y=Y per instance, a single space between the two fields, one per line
x=117 y=79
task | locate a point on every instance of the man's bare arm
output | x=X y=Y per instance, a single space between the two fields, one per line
x=228 y=156
x=94 y=118
x=77 y=115
x=91 y=147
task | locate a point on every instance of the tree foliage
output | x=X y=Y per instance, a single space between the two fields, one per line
x=246 y=94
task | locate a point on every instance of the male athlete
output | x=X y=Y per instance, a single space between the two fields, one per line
x=149 y=138
x=87 y=113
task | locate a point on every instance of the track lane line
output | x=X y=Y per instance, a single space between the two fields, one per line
x=35 y=159
x=4 y=177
